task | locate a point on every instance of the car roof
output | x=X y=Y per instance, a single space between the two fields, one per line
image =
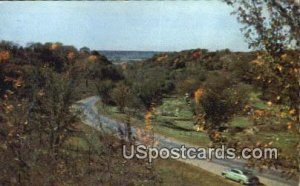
x=241 y=170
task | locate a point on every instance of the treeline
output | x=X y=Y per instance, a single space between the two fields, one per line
x=227 y=77
x=38 y=86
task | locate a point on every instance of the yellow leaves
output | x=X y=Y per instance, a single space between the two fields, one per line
x=246 y=108
x=148 y=116
x=269 y=103
x=4 y=56
x=54 y=46
x=289 y=125
x=161 y=58
x=296 y=71
x=200 y=128
x=279 y=67
x=92 y=58
x=283 y=115
x=292 y=111
x=198 y=95
x=283 y=56
x=257 y=62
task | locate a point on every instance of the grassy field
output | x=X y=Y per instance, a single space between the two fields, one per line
x=178 y=126
x=174 y=119
x=178 y=173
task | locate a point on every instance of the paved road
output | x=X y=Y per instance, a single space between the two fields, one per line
x=91 y=117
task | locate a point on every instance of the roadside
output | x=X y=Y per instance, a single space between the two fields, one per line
x=95 y=120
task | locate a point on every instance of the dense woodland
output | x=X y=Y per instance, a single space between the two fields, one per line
x=39 y=83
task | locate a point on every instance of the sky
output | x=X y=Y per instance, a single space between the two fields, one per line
x=123 y=25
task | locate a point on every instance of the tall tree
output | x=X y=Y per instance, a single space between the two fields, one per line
x=273 y=27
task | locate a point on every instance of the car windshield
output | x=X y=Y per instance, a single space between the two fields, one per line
x=245 y=172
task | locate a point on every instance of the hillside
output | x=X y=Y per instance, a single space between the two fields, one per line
x=211 y=98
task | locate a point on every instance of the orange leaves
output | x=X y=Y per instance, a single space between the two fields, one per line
x=259 y=113
x=216 y=136
x=148 y=116
x=292 y=111
x=92 y=58
x=71 y=55
x=146 y=138
x=16 y=82
x=54 y=46
x=196 y=54
x=198 y=95
x=296 y=71
x=161 y=58
x=284 y=56
x=289 y=125
x=258 y=61
x=4 y=56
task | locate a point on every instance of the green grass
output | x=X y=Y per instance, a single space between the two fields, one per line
x=173 y=119
x=240 y=121
x=286 y=141
x=177 y=126
x=256 y=102
x=178 y=173
x=176 y=107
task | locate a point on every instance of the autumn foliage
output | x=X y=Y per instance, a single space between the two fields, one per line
x=4 y=56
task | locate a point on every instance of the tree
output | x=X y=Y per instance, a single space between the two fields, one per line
x=219 y=100
x=274 y=27
x=121 y=95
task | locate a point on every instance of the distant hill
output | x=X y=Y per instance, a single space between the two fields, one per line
x=126 y=56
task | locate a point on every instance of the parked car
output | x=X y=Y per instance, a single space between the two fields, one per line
x=242 y=176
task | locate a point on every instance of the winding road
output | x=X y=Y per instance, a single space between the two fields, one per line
x=93 y=118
